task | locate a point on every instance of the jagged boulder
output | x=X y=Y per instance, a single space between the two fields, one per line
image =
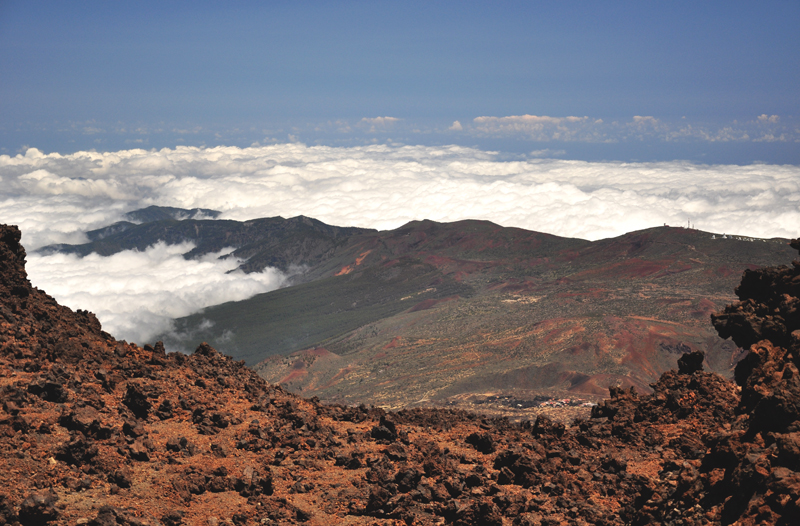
x=766 y=321
x=13 y=278
x=691 y=362
x=39 y=508
x=760 y=461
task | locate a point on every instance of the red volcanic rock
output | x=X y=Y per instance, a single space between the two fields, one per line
x=769 y=307
x=13 y=278
x=756 y=459
x=96 y=431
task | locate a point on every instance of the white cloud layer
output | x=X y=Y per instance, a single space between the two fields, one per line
x=53 y=198
x=136 y=294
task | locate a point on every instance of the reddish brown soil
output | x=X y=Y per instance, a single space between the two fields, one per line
x=101 y=432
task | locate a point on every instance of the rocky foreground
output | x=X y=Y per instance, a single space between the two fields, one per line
x=102 y=432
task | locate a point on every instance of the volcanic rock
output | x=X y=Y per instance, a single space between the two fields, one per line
x=98 y=431
x=38 y=508
x=691 y=362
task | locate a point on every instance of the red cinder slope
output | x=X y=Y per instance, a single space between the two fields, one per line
x=100 y=432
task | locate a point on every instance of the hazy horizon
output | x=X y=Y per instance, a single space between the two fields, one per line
x=712 y=83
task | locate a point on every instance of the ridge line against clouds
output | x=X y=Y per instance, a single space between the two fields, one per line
x=56 y=198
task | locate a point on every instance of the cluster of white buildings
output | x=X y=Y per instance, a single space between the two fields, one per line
x=565 y=402
x=738 y=238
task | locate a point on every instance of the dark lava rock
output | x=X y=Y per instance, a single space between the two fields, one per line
x=474 y=512
x=122 y=477
x=385 y=430
x=136 y=400
x=165 y=410
x=483 y=442
x=691 y=362
x=172 y=518
x=38 y=508
x=77 y=451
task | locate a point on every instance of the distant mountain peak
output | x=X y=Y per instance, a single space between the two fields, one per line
x=160 y=213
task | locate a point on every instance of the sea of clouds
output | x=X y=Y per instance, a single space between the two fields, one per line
x=56 y=198
x=136 y=295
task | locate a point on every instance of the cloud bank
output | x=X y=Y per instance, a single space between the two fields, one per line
x=54 y=198
x=542 y=128
x=136 y=294
x=761 y=136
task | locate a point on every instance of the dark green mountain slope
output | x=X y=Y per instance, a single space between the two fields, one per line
x=312 y=313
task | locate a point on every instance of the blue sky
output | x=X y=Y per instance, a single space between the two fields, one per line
x=712 y=82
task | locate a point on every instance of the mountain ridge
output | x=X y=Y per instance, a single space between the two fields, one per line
x=475 y=309
x=275 y=241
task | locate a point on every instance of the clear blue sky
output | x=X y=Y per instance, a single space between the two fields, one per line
x=112 y=75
